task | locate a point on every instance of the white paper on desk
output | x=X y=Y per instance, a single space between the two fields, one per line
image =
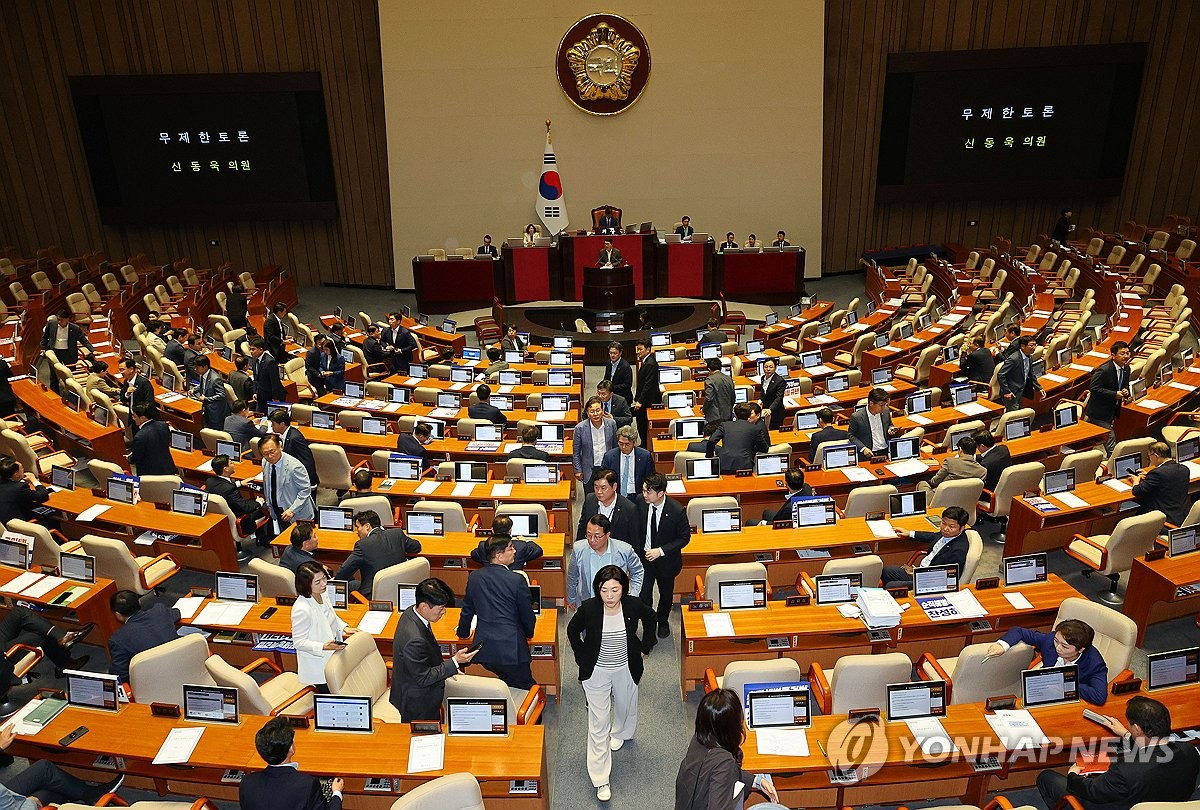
x=392 y=407
x=685 y=413
x=19 y=583
x=509 y=447
x=223 y=613
x=188 y=605
x=882 y=529
x=855 y=327
x=501 y=490
x=821 y=369
x=1117 y=485
x=1016 y=729
x=426 y=753
x=92 y=512
x=718 y=624
x=931 y=734
x=1181 y=386
x=345 y=402
x=428 y=487
x=549 y=416
x=1070 y=499
x=971 y=409
x=1079 y=367
x=858 y=474
x=1054 y=378
x=458 y=386
x=413 y=381
x=920 y=419
x=17 y=720
x=47 y=584
x=178 y=746
x=504 y=389
x=813 y=554
x=1193 y=468
x=373 y=621
x=821 y=399
x=1018 y=600
x=463 y=489
x=1100 y=355
x=891 y=389
x=1150 y=404
x=206 y=466
x=146 y=538
x=169 y=397
x=910 y=466
x=444 y=413
x=966 y=604
x=675 y=487
x=783 y=742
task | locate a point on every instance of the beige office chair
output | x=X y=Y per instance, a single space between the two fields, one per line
x=1085 y=464
x=333 y=468
x=681 y=460
x=273 y=580
x=1116 y=633
x=1128 y=446
x=974 y=553
x=351 y=419
x=1112 y=554
x=157 y=675
x=48 y=545
x=972 y=677
x=708 y=587
x=138 y=574
x=282 y=693
x=739 y=673
x=359 y=669
x=964 y=492
x=409 y=572
x=543 y=520
x=379 y=504
x=210 y=437
x=863 y=500
x=457 y=791
x=697 y=506
x=158 y=488
x=858 y=681
x=454 y=519
x=525 y=706
x=516 y=466
x=1013 y=481
x=998 y=426
x=869 y=565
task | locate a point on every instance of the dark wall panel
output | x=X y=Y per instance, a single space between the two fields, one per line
x=47 y=197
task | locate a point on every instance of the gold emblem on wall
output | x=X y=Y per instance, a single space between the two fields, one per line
x=603 y=64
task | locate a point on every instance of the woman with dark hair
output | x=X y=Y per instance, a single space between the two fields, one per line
x=333 y=366
x=531 y=233
x=235 y=306
x=603 y=635
x=317 y=631
x=712 y=766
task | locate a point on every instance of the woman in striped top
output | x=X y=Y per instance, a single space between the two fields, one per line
x=604 y=638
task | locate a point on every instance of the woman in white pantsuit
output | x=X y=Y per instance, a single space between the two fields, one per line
x=604 y=638
x=317 y=632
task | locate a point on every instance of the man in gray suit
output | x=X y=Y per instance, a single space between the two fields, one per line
x=376 y=549
x=239 y=425
x=1016 y=378
x=418 y=672
x=959 y=466
x=718 y=393
x=871 y=427
x=212 y=394
x=593 y=437
x=286 y=486
x=740 y=439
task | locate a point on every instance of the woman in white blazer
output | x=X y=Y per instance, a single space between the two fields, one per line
x=317 y=632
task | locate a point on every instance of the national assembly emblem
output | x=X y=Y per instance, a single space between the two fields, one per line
x=603 y=64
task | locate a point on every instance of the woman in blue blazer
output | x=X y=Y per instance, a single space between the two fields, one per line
x=1070 y=643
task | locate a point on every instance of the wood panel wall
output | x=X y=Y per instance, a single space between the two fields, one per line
x=45 y=190
x=1163 y=175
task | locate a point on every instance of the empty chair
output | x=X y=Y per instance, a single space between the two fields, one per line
x=210 y=437
x=1085 y=464
x=1013 y=481
x=739 y=673
x=350 y=419
x=138 y=574
x=273 y=580
x=869 y=499
x=869 y=565
x=457 y=791
x=453 y=517
x=1112 y=554
x=962 y=492
x=157 y=675
x=697 y=506
x=682 y=458
x=858 y=681
x=972 y=677
x=158 y=488
x=409 y=572
x=281 y=694
x=48 y=544
x=359 y=669
x=379 y=504
x=524 y=706
x=709 y=587
x=333 y=468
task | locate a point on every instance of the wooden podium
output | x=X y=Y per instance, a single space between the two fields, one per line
x=608 y=289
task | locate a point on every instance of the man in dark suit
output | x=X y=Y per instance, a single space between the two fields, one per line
x=513 y=342
x=1164 y=486
x=293 y=442
x=977 y=363
x=631 y=463
x=871 y=426
x=398 y=342
x=151 y=449
x=484 y=409
x=714 y=333
x=718 y=393
x=993 y=455
x=267 y=385
x=610 y=256
x=604 y=499
x=772 y=395
x=524 y=551
x=376 y=549
x=373 y=351
x=664 y=533
x=20 y=491
x=797 y=489
x=739 y=440
x=64 y=339
x=947 y=547
x=781 y=240
x=1109 y=388
x=193 y=350
x=135 y=389
x=608 y=223
x=1148 y=767
x=140 y=630
x=487 y=248
x=303 y=542
x=418 y=672
x=685 y=229
x=1016 y=377
x=247 y=510
x=825 y=432
x=614 y=404
x=413 y=444
x=240 y=426
x=648 y=391
x=273 y=330
x=618 y=371
x=174 y=350
x=312 y=368
x=282 y=784
x=499 y=598
x=729 y=243
x=529 y=436
x=212 y=394
x=1070 y=643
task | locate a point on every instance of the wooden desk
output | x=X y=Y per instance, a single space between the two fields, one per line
x=481 y=503
x=91 y=607
x=822 y=634
x=767 y=276
x=543 y=645
x=449 y=557
x=203 y=543
x=72 y=431
x=450 y=285
x=1152 y=594
x=134 y=735
x=788 y=328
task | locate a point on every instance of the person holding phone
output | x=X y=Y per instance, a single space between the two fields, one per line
x=711 y=774
x=499 y=599
x=317 y=632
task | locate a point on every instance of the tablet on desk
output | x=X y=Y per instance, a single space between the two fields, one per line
x=680 y=400
x=721 y=521
x=524 y=524
x=935 y=579
x=191 y=502
x=342 y=713
x=91 y=690
x=904 y=448
x=840 y=456
x=815 y=511
x=770 y=464
x=322 y=421
x=477 y=716
x=404 y=468
x=777 y=705
x=702 y=469
x=181 y=441
x=1017 y=429
x=907 y=504
x=909 y=701
x=1126 y=465
x=742 y=594
x=79 y=567
x=1174 y=668
x=687 y=428
x=559 y=377
x=235 y=587
x=231 y=449
x=1050 y=685
x=120 y=489
x=511 y=377
x=1058 y=481
x=355 y=390
x=210 y=704
x=1183 y=540
x=1065 y=417
x=836 y=589
x=62 y=477
x=14 y=551
x=406 y=596
x=336 y=518
x=920 y=402
x=426 y=524
x=540 y=473
x=475 y=472
x=1026 y=569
